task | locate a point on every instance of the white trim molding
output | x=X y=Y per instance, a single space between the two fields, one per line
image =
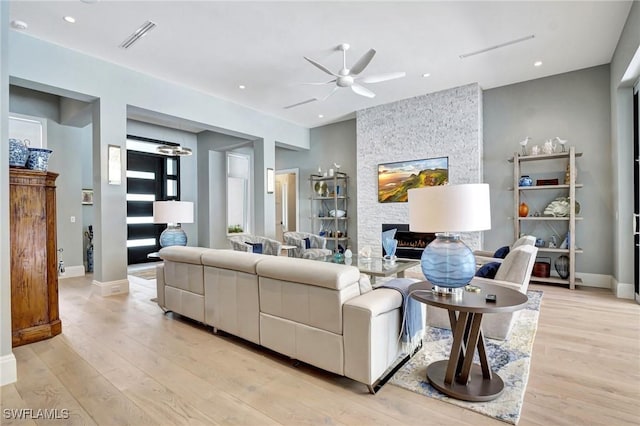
x=623 y=290
x=112 y=288
x=72 y=271
x=8 y=369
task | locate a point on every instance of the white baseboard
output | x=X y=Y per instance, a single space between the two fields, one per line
x=623 y=290
x=111 y=288
x=72 y=271
x=595 y=280
x=8 y=369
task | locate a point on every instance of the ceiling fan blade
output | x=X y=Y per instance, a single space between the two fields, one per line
x=362 y=63
x=362 y=91
x=321 y=84
x=320 y=66
x=382 y=77
x=335 y=89
x=301 y=103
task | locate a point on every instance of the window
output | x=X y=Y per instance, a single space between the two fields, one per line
x=238 y=197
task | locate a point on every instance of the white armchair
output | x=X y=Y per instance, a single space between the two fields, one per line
x=484 y=256
x=244 y=242
x=514 y=272
x=317 y=245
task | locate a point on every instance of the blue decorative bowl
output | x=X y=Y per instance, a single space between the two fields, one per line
x=38 y=159
x=18 y=153
x=525 y=181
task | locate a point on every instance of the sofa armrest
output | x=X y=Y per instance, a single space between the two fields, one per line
x=160 y=283
x=371 y=326
x=508 y=284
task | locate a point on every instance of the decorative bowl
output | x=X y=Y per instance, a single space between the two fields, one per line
x=337 y=213
x=18 y=153
x=38 y=158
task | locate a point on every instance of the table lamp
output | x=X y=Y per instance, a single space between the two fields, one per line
x=447 y=210
x=173 y=213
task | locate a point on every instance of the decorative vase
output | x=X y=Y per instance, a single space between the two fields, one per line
x=523 y=210
x=18 y=153
x=38 y=159
x=525 y=181
x=562 y=266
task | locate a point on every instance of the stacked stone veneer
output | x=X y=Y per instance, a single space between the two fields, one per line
x=441 y=124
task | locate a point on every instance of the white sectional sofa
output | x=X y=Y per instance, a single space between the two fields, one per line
x=324 y=314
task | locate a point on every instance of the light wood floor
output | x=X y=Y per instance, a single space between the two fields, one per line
x=121 y=361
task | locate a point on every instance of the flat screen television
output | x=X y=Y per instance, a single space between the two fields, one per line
x=395 y=179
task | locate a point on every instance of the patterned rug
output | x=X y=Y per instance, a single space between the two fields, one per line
x=145 y=274
x=510 y=359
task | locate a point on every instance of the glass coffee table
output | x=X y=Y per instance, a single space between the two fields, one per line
x=375 y=266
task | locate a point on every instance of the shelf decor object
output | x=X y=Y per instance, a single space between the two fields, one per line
x=173 y=213
x=447 y=210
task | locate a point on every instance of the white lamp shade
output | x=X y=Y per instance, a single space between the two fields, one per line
x=450 y=208
x=172 y=212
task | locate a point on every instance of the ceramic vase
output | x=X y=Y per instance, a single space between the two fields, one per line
x=562 y=266
x=523 y=210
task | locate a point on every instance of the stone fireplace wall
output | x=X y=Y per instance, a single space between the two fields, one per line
x=442 y=124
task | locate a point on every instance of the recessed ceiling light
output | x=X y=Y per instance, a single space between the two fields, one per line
x=426 y=74
x=320 y=116
x=242 y=87
x=19 y=25
x=70 y=19
x=537 y=63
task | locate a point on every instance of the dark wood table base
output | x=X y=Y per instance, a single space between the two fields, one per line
x=477 y=389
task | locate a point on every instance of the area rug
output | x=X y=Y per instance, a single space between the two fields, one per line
x=510 y=359
x=145 y=274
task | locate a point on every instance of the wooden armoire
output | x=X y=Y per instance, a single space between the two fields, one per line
x=34 y=273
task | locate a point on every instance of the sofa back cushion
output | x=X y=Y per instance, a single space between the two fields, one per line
x=306 y=271
x=230 y=259
x=183 y=268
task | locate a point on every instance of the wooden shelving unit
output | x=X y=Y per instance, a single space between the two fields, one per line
x=330 y=193
x=570 y=220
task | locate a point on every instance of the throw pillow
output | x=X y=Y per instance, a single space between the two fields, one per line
x=307 y=243
x=488 y=270
x=257 y=247
x=501 y=253
x=365 y=284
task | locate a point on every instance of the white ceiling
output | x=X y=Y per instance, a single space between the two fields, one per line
x=216 y=46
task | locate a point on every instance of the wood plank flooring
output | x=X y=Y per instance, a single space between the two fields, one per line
x=120 y=360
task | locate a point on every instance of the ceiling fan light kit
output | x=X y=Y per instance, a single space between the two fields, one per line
x=350 y=78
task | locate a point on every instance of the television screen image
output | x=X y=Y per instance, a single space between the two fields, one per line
x=395 y=179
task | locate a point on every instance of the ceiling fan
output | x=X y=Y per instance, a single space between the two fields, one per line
x=350 y=77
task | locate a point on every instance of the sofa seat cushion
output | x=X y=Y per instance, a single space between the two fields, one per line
x=321 y=274
x=233 y=260
x=183 y=254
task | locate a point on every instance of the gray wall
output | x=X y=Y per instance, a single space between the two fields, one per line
x=574 y=106
x=333 y=143
x=622 y=78
x=69 y=145
x=441 y=124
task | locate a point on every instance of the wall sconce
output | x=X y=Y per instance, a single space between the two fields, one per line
x=270 y=181
x=114 y=171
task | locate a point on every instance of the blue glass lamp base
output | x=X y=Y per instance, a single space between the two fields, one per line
x=448 y=263
x=173 y=236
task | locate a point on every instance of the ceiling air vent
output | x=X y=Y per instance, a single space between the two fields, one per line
x=138 y=34
x=497 y=46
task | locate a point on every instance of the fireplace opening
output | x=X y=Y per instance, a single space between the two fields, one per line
x=410 y=244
